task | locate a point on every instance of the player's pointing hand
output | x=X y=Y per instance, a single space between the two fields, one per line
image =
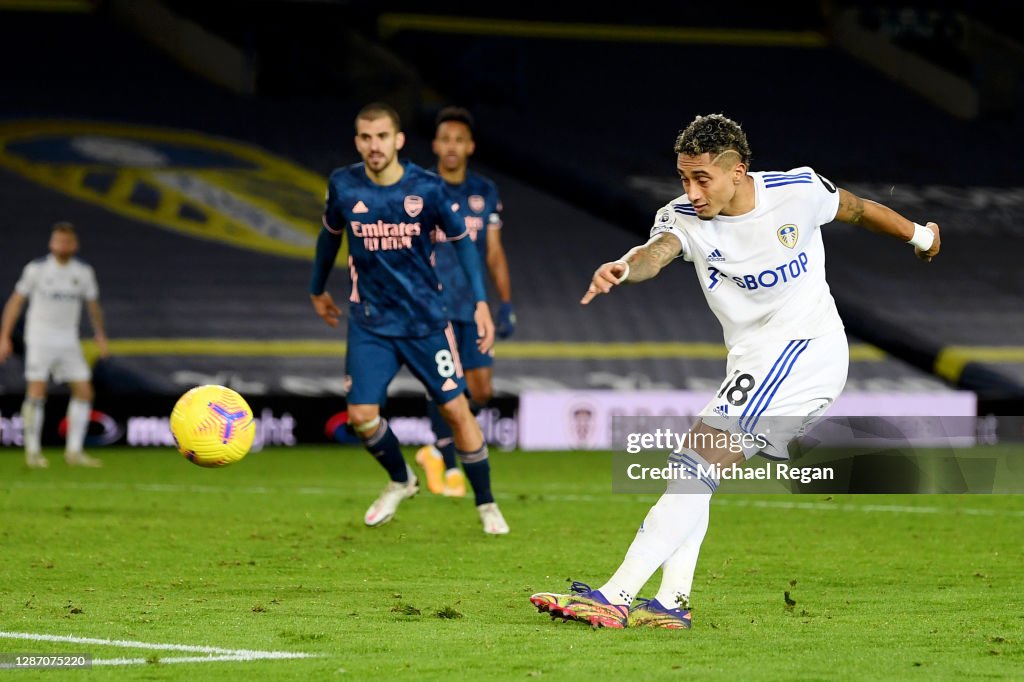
x=605 y=277
x=325 y=308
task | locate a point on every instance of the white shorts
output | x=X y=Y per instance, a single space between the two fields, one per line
x=65 y=363
x=777 y=390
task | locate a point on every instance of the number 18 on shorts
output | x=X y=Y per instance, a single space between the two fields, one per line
x=777 y=389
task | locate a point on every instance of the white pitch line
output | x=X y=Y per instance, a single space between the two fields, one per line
x=171 y=488
x=188 y=659
x=236 y=654
x=721 y=499
x=868 y=508
x=728 y=500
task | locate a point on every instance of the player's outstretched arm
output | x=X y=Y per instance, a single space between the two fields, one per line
x=880 y=218
x=640 y=263
x=12 y=310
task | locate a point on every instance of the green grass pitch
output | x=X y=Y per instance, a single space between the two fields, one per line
x=271 y=555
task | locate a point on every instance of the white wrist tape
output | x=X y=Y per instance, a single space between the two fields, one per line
x=625 y=274
x=923 y=237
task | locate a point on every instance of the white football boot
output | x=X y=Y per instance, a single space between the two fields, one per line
x=384 y=507
x=81 y=459
x=35 y=460
x=491 y=518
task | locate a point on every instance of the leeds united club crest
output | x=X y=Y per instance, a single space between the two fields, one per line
x=788 y=234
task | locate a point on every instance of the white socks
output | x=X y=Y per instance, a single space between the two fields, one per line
x=677 y=571
x=670 y=535
x=78 y=424
x=32 y=412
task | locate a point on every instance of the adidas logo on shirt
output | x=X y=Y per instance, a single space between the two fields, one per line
x=715 y=256
x=360 y=207
x=722 y=410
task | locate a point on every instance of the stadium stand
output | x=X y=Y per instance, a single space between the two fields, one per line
x=593 y=134
x=164 y=285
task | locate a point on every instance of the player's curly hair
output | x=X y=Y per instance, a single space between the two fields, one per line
x=713 y=134
x=456 y=114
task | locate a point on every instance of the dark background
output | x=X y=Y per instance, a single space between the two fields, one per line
x=577 y=130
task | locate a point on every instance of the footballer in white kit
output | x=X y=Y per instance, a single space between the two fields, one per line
x=755 y=241
x=55 y=288
x=55 y=294
x=763 y=274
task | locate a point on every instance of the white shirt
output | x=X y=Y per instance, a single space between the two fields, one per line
x=763 y=272
x=55 y=293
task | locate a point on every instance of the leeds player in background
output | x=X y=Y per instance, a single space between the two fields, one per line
x=396 y=312
x=755 y=242
x=479 y=206
x=54 y=288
